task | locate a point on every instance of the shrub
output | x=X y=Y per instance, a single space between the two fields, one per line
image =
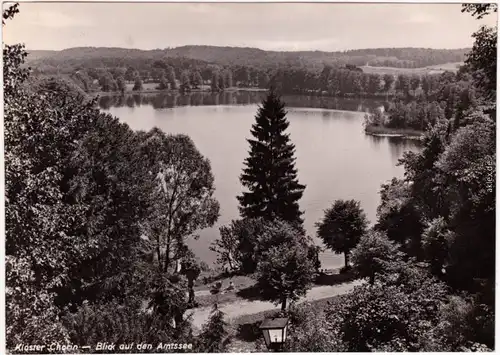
x=308 y=331
x=373 y=253
x=392 y=315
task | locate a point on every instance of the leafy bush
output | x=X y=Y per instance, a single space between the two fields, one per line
x=308 y=331
x=373 y=254
x=243 y=243
x=395 y=314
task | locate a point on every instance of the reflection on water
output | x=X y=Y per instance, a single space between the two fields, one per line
x=397 y=145
x=171 y=100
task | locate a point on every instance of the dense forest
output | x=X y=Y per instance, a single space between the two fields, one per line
x=97 y=218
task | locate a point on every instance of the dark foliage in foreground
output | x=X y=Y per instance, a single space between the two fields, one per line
x=82 y=258
x=123 y=324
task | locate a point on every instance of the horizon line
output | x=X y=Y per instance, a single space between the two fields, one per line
x=246 y=47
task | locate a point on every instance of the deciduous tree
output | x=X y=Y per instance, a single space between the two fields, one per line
x=163 y=83
x=215 y=81
x=372 y=255
x=185 y=82
x=181 y=201
x=137 y=84
x=72 y=204
x=120 y=84
x=196 y=79
x=285 y=272
x=342 y=227
x=228 y=78
x=190 y=267
x=403 y=84
x=171 y=78
x=227 y=248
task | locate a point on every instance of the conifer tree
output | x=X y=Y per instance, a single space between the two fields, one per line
x=214 y=337
x=270 y=174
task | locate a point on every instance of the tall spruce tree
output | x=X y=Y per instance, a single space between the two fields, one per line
x=270 y=174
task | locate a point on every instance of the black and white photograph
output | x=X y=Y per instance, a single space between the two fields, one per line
x=230 y=177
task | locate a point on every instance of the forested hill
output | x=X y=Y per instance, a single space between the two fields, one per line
x=392 y=57
x=387 y=57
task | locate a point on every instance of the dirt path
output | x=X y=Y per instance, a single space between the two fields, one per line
x=240 y=308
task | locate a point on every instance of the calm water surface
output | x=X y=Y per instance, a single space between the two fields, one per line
x=335 y=159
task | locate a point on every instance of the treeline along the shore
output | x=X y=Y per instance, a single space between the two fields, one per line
x=336 y=76
x=97 y=218
x=333 y=81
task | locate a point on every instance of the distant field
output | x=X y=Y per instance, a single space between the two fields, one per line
x=447 y=66
x=434 y=69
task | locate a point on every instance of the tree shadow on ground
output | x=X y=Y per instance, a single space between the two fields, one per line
x=251 y=293
x=331 y=279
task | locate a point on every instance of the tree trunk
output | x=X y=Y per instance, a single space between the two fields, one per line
x=178 y=318
x=346 y=258
x=191 y=290
x=283 y=304
x=158 y=255
x=167 y=254
x=372 y=278
x=230 y=262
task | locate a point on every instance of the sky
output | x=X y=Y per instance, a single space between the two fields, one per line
x=269 y=26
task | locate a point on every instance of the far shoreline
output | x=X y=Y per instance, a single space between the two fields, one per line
x=169 y=91
x=382 y=131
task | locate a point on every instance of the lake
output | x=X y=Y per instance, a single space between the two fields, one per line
x=335 y=159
